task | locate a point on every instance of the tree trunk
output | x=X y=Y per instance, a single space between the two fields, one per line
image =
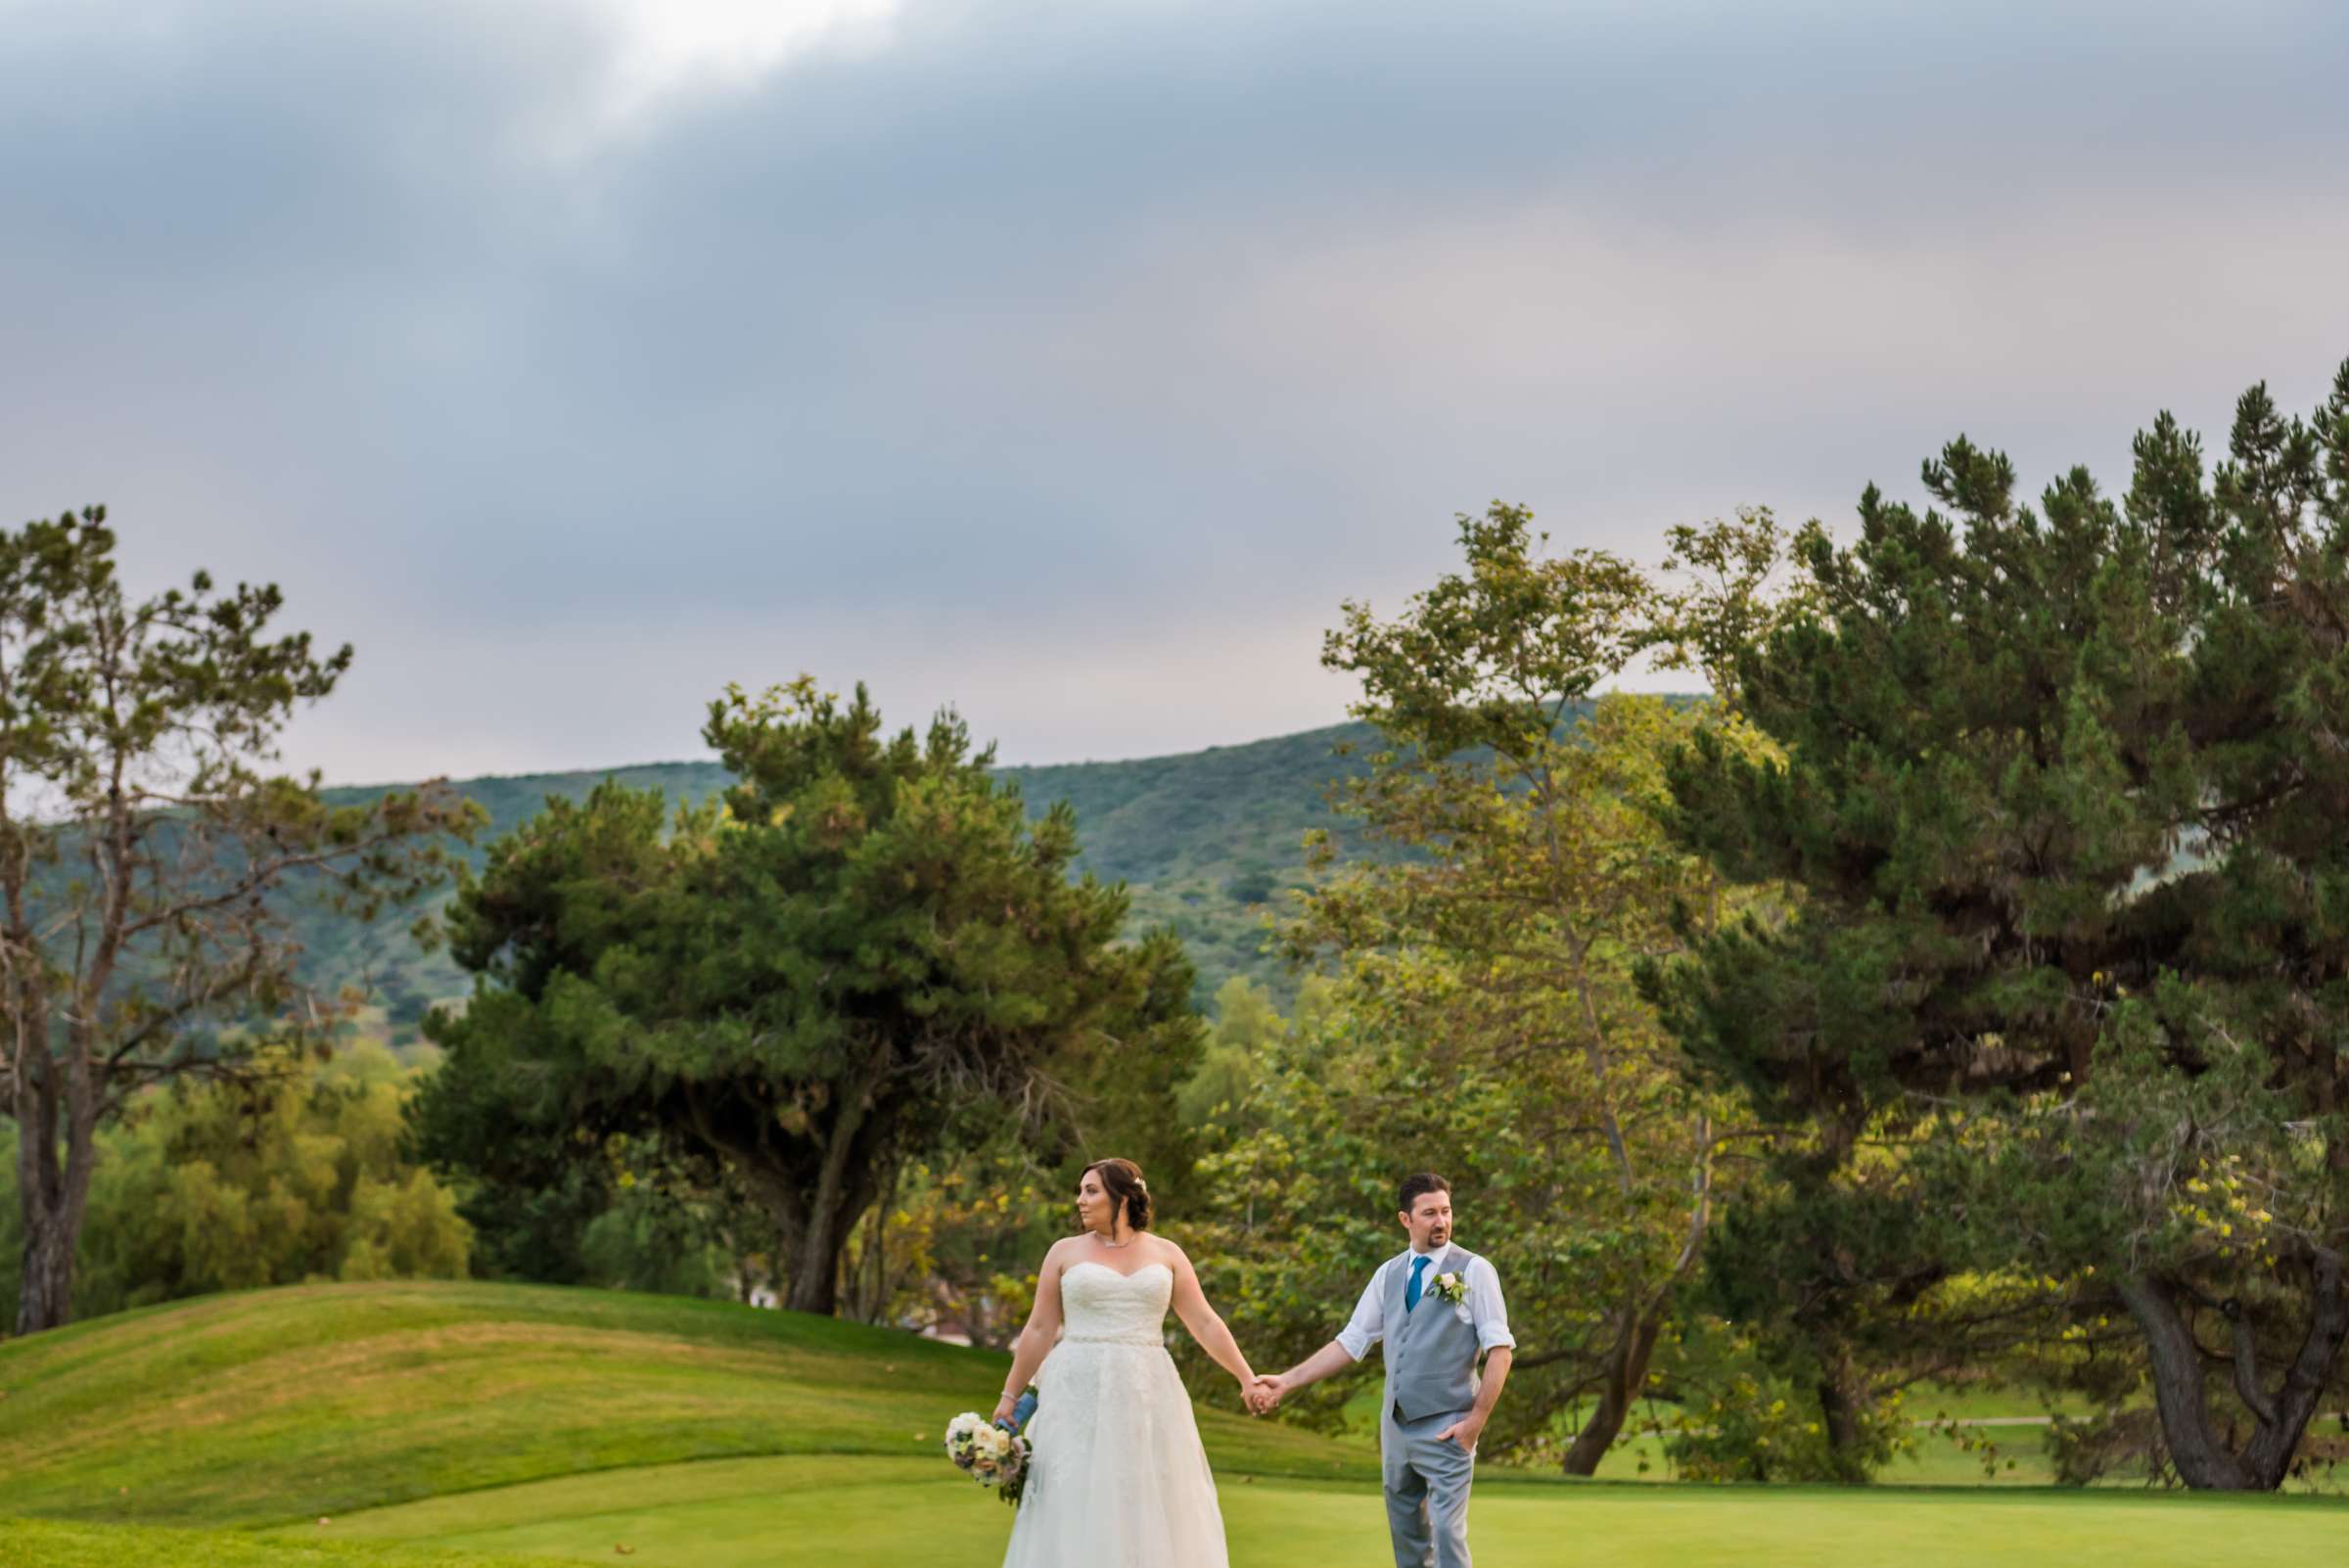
x=814 y=1203
x=2205 y=1458
x=46 y=1296
x=2202 y=1459
x=812 y=1219
x=53 y=1195
x=874 y=1305
x=1840 y=1407
x=1625 y=1375
x=815 y=1256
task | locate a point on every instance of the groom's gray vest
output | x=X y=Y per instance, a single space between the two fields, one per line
x=1431 y=1354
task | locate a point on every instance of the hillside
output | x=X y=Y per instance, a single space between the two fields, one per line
x=1205 y=841
x=415 y=1425
x=271 y=1407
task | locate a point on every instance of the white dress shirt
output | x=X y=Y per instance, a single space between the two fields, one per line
x=1484 y=1305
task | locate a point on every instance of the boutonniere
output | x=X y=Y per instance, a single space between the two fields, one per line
x=1448 y=1288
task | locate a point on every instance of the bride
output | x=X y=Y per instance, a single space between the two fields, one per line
x=1118 y=1475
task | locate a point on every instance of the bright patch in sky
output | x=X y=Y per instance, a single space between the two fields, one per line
x=667 y=46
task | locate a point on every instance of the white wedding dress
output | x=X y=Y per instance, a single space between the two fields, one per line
x=1119 y=1479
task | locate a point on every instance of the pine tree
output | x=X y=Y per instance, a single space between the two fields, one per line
x=151 y=864
x=2064 y=791
x=804 y=982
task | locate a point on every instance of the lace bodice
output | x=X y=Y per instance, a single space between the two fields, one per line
x=1100 y=1306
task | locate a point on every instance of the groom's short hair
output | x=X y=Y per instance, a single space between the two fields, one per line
x=1415 y=1188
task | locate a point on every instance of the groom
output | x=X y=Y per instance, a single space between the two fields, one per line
x=1436 y=1307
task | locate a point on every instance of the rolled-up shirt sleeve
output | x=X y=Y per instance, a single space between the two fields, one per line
x=1492 y=1313
x=1368 y=1325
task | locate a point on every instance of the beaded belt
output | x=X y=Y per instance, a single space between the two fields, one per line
x=1153 y=1341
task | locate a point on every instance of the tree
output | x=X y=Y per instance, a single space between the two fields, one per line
x=1217 y=1101
x=807 y=983
x=1724 y=587
x=296 y=1176
x=956 y=1242
x=147 y=862
x=1301 y=1209
x=1490 y=964
x=2062 y=792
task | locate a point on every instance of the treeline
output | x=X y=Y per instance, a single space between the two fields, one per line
x=1957 y=994
x=1204 y=841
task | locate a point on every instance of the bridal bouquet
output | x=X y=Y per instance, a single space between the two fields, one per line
x=993 y=1456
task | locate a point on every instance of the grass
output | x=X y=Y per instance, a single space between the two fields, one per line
x=2020 y=1457
x=274 y=1406
x=51 y=1544
x=878 y=1513
x=863 y=1514
x=436 y=1425
x=1935 y=1461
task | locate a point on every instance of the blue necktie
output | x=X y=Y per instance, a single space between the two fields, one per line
x=1411 y=1291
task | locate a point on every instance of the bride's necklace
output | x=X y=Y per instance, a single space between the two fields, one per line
x=1106 y=1242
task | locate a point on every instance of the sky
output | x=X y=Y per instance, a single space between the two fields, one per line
x=1071 y=363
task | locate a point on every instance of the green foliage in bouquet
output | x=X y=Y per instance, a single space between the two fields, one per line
x=994 y=1456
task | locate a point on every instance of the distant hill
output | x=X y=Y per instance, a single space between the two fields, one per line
x=1206 y=842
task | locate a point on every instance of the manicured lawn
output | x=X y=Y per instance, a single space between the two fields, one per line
x=434 y=1422
x=868 y=1513
x=880 y=1513
x=55 y=1543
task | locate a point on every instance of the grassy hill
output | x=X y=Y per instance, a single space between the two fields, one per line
x=1205 y=840
x=267 y=1406
x=410 y=1425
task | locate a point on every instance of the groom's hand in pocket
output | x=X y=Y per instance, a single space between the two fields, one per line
x=1464 y=1431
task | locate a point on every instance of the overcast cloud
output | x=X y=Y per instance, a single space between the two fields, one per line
x=1071 y=362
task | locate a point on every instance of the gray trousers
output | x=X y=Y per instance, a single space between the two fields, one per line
x=1427 y=1490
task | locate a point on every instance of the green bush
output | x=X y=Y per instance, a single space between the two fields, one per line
x=214 y=1186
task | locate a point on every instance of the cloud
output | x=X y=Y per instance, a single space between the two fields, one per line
x=574 y=358
x=663 y=49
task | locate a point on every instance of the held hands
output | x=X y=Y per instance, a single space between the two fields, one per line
x=1263 y=1393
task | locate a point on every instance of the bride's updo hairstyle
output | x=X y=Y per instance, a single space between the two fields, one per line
x=1123 y=1180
